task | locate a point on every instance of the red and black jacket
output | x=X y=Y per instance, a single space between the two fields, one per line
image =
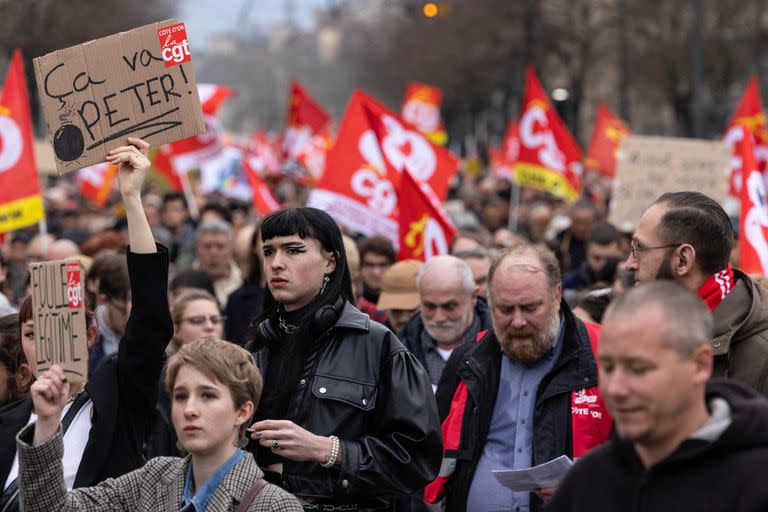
x=569 y=416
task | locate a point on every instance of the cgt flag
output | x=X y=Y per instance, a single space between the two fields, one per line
x=750 y=115
x=503 y=159
x=550 y=159
x=425 y=228
x=608 y=132
x=753 y=221
x=20 y=201
x=421 y=108
x=374 y=146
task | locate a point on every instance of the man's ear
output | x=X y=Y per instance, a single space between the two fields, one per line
x=685 y=260
x=703 y=363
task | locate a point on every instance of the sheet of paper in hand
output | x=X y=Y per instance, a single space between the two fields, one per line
x=138 y=83
x=59 y=317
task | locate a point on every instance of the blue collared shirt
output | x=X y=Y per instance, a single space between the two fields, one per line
x=510 y=437
x=199 y=501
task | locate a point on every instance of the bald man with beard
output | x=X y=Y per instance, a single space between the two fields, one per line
x=525 y=393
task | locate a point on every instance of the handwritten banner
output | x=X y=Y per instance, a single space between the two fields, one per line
x=96 y=94
x=650 y=166
x=59 y=317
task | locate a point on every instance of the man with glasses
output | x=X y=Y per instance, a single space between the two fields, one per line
x=377 y=254
x=687 y=237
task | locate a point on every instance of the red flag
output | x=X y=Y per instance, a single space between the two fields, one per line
x=212 y=97
x=307 y=135
x=550 y=159
x=421 y=108
x=404 y=148
x=263 y=200
x=604 y=144
x=20 y=200
x=425 y=228
x=361 y=190
x=750 y=115
x=96 y=182
x=191 y=153
x=753 y=221
x=503 y=159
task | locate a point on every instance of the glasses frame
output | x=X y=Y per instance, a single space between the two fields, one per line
x=635 y=248
x=220 y=319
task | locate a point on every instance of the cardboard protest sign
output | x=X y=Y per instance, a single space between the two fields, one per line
x=138 y=83
x=650 y=166
x=59 y=317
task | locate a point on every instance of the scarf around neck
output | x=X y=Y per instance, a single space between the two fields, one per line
x=717 y=287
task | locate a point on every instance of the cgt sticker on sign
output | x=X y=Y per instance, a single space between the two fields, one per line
x=174 y=46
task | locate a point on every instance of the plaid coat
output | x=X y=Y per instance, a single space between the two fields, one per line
x=158 y=486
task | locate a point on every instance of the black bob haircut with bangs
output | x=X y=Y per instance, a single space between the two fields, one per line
x=310 y=223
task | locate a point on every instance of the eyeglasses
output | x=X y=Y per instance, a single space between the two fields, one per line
x=200 y=319
x=635 y=248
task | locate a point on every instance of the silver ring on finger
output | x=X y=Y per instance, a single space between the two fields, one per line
x=275 y=444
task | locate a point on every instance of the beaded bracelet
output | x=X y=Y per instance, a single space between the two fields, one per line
x=335 y=446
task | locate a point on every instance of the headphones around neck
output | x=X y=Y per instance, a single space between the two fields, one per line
x=268 y=332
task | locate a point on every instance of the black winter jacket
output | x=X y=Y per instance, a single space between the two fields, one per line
x=362 y=385
x=479 y=366
x=700 y=476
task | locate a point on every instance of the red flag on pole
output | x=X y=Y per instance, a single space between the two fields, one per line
x=421 y=108
x=264 y=201
x=20 y=201
x=606 y=136
x=550 y=159
x=753 y=221
x=425 y=228
x=751 y=115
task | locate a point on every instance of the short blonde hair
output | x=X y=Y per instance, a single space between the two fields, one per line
x=220 y=361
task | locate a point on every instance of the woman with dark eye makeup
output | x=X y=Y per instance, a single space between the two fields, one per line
x=348 y=419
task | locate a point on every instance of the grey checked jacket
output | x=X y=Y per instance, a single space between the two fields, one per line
x=157 y=486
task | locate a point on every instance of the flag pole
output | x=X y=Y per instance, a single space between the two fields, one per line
x=514 y=200
x=186 y=187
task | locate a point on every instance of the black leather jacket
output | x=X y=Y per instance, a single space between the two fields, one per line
x=362 y=385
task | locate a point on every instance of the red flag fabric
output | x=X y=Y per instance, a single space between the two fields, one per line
x=307 y=134
x=96 y=182
x=753 y=221
x=608 y=132
x=267 y=148
x=503 y=159
x=361 y=189
x=425 y=228
x=191 y=153
x=550 y=159
x=212 y=97
x=751 y=115
x=404 y=148
x=264 y=202
x=20 y=201
x=421 y=108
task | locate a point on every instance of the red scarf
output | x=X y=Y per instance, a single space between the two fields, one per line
x=717 y=287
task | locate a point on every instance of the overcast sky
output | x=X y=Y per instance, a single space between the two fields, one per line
x=206 y=17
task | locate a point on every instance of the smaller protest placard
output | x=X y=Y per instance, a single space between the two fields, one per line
x=650 y=166
x=138 y=83
x=59 y=317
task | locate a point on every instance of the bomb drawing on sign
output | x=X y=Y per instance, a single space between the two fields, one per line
x=68 y=143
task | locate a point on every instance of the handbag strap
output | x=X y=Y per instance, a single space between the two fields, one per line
x=9 y=500
x=254 y=490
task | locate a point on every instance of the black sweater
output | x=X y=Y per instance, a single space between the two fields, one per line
x=727 y=474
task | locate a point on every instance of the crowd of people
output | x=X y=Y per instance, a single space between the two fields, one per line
x=286 y=363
